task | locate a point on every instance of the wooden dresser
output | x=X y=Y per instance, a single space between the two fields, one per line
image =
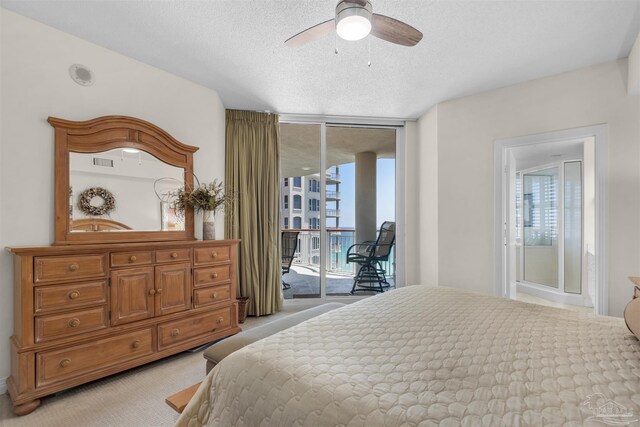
x=87 y=311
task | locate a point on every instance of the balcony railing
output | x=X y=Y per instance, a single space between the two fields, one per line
x=333 y=194
x=333 y=213
x=333 y=175
x=338 y=243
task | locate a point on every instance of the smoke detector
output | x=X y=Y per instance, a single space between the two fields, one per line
x=81 y=74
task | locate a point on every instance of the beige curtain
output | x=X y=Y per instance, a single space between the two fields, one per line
x=253 y=178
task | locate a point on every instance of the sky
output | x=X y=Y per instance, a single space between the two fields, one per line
x=385 y=193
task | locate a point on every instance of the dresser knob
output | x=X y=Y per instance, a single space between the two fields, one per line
x=135 y=344
x=159 y=291
x=73 y=267
x=65 y=362
x=175 y=332
x=73 y=294
x=74 y=323
x=214 y=275
x=214 y=254
x=174 y=255
x=214 y=295
x=152 y=291
x=219 y=320
x=133 y=258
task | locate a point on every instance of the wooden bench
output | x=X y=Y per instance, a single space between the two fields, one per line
x=179 y=401
x=225 y=347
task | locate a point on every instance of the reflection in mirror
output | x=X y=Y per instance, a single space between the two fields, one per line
x=122 y=189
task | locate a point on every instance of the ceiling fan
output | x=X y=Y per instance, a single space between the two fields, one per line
x=354 y=21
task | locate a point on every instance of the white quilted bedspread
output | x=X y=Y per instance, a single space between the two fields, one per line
x=422 y=356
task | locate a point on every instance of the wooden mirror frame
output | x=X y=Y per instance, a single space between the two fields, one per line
x=107 y=133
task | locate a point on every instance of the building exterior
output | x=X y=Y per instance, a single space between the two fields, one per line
x=300 y=201
x=300 y=210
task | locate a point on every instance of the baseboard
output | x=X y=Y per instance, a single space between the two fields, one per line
x=3 y=386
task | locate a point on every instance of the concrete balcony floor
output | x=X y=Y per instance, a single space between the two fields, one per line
x=305 y=283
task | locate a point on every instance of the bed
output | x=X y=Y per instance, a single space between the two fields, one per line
x=425 y=356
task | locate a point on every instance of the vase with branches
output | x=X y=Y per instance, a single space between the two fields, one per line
x=208 y=198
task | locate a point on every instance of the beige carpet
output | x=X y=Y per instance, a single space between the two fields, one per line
x=132 y=398
x=521 y=296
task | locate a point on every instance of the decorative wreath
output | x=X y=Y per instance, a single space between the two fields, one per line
x=108 y=201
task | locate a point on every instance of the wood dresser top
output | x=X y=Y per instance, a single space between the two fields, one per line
x=62 y=249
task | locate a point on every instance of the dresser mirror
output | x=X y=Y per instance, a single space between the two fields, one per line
x=121 y=190
x=116 y=179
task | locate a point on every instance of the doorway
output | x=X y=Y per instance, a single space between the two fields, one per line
x=550 y=193
x=555 y=224
x=338 y=184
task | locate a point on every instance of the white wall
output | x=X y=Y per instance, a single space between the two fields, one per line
x=633 y=85
x=429 y=235
x=466 y=131
x=422 y=200
x=412 y=204
x=35 y=84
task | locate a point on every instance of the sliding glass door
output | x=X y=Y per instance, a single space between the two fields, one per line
x=360 y=195
x=300 y=209
x=338 y=184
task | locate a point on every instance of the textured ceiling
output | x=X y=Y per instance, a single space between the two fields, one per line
x=300 y=146
x=237 y=47
x=530 y=156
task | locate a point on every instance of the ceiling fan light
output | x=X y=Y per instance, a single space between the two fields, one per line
x=353 y=28
x=353 y=22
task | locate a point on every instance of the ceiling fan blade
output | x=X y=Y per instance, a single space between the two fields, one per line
x=394 y=31
x=312 y=34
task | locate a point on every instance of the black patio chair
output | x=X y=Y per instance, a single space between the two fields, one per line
x=368 y=256
x=289 y=242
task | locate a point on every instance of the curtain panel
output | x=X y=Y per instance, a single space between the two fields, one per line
x=253 y=178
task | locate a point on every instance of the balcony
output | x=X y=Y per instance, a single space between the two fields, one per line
x=332 y=178
x=304 y=276
x=332 y=195
x=332 y=213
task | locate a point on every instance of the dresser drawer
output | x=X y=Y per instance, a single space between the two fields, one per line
x=62 y=365
x=61 y=268
x=212 y=255
x=68 y=324
x=211 y=275
x=213 y=295
x=69 y=297
x=174 y=333
x=173 y=255
x=126 y=259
